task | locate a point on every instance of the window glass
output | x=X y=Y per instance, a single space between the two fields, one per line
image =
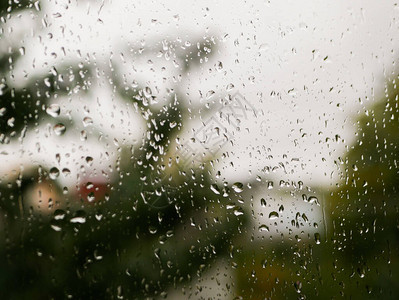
x=199 y=150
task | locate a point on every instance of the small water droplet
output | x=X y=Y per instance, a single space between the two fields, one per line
x=87 y=121
x=238 y=187
x=273 y=215
x=238 y=212
x=263 y=47
x=59 y=214
x=263 y=202
x=59 y=129
x=89 y=160
x=215 y=189
x=66 y=172
x=152 y=229
x=229 y=87
x=53 y=110
x=3 y=88
x=263 y=228
x=80 y=217
x=219 y=66
x=83 y=135
x=10 y=122
x=2 y=110
x=54 y=173
x=298 y=286
x=47 y=82
x=317 y=238
x=313 y=199
x=209 y=94
x=56 y=227
x=147 y=92
x=80 y=220
x=22 y=51
x=361 y=272
x=91 y=197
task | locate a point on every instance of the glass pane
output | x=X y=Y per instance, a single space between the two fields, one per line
x=201 y=150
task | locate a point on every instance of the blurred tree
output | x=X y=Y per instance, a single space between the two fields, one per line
x=358 y=257
x=363 y=210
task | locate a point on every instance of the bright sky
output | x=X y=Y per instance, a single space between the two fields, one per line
x=317 y=58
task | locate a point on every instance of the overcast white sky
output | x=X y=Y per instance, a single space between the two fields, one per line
x=319 y=57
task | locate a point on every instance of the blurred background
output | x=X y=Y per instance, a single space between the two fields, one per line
x=207 y=150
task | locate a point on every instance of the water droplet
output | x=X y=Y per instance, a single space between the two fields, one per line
x=83 y=135
x=53 y=110
x=59 y=129
x=229 y=87
x=298 y=286
x=47 y=82
x=313 y=199
x=80 y=217
x=273 y=215
x=263 y=202
x=59 y=214
x=361 y=272
x=87 y=121
x=263 y=47
x=2 y=110
x=10 y=122
x=54 y=173
x=219 y=66
x=66 y=172
x=65 y=190
x=91 y=197
x=3 y=88
x=152 y=229
x=317 y=238
x=238 y=187
x=80 y=220
x=89 y=160
x=215 y=189
x=263 y=228
x=147 y=92
x=238 y=212
x=56 y=227
x=209 y=94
